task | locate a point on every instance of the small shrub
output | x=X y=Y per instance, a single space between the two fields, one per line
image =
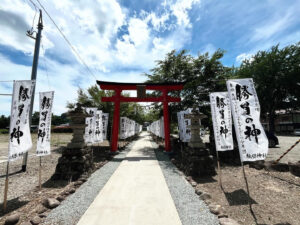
x=3 y=131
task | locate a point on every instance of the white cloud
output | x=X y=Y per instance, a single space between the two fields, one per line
x=268 y=30
x=159 y=22
x=240 y=58
x=180 y=10
x=93 y=28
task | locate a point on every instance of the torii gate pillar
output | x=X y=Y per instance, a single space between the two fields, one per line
x=118 y=98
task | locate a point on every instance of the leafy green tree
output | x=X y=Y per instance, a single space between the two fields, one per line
x=4 y=122
x=55 y=120
x=202 y=74
x=276 y=74
x=35 y=118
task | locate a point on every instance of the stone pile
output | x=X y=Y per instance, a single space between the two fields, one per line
x=194 y=158
x=197 y=162
x=76 y=158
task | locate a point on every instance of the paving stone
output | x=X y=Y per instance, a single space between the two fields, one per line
x=52 y=203
x=228 y=221
x=12 y=219
x=36 y=220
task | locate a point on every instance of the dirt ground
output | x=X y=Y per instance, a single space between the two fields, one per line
x=24 y=195
x=57 y=140
x=275 y=196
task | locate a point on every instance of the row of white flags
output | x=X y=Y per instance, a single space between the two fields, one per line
x=20 y=138
x=19 y=132
x=157 y=128
x=242 y=103
x=96 y=126
x=129 y=128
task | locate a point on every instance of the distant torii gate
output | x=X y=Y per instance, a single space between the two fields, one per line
x=141 y=97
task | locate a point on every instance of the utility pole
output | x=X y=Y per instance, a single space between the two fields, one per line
x=33 y=74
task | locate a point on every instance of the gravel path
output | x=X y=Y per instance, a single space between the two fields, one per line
x=71 y=210
x=190 y=208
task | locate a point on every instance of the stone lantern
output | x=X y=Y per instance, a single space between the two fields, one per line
x=76 y=158
x=195 y=117
x=196 y=160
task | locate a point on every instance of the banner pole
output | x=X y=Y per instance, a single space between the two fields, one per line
x=6 y=187
x=92 y=154
x=40 y=174
x=219 y=170
x=249 y=202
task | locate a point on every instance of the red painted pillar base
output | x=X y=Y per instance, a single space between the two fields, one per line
x=116 y=122
x=166 y=122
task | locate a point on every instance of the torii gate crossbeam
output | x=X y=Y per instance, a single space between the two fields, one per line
x=118 y=98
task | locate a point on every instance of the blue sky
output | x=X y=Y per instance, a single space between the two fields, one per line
x=120 y=40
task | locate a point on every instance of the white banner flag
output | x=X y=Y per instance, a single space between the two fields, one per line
x=183 y=125
x=88 y=136
x=20 y=138
x=251 y=137
x=98 y=127
x=104 y=125
x=221 y=117
x=162 y=130
x=123 y=128
x=91 y=135
x=44 y=131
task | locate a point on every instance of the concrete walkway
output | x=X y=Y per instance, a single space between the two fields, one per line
x=135 y=194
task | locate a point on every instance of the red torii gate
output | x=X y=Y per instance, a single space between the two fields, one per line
x=141 y=92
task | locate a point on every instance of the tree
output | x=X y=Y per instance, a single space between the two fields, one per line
x=35 y=118
x=203 y=74
x=4 y=122
x=276 y=74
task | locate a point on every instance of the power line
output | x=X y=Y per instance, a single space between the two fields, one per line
x=35 y=7
x=66 y=39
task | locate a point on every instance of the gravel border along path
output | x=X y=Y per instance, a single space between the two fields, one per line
x=190 y=208
x=71 y=210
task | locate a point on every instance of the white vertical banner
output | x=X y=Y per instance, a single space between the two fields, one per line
x=184 y=131
x=162 y=130
x=98 y=127
x=222 y=123
x=20 y=138
x=104 y=125
x=123 y=128
x=44 y=131
x=92 y=123
x=88 y=136
x=252 y=140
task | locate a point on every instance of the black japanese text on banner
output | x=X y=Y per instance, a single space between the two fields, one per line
x=123 y=128
x=20 y=138
x=90 y=134
x=104 y=125
x=184 y=130
x=44 y=131
x=221 y=117
x=252 y=140
x=98 y=126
